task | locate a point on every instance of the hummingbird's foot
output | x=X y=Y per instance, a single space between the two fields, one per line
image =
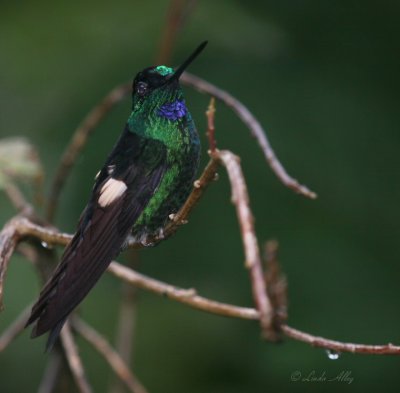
x=161 y=234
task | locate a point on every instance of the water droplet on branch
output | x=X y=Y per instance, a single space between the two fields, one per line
x=45 y=245
x=332 y=355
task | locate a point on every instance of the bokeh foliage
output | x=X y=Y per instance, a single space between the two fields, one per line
x=322 y=76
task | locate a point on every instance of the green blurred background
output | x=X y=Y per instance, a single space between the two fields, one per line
x=323 y=78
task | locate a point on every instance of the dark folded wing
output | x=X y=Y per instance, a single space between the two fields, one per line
x=102 y=230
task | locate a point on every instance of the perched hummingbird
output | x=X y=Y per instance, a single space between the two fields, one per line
x=146 y=178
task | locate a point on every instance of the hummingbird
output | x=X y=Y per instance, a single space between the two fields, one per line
x=147 y=177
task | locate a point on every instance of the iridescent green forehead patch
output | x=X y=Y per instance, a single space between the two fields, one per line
x=163 y=70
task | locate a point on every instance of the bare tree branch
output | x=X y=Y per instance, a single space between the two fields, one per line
x=51 y=374
x=49 y=235
x=14 y=329
x=186 y=296
x=20 y=226
x=190 y=298
x=126 y=325
x=74 y=360
x=178 y=14
x=240 y=199
x=110 y=355
x=321 y=342
x=276 y=283
x=16 y=197
x=210 y=114
x=253 y=125
x=8 y=242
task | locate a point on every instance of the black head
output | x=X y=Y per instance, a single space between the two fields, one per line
x=161 y=77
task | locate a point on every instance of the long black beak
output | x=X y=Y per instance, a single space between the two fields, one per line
x=178 y=72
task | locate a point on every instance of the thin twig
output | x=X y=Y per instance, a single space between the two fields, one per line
x=276 y=282
x=51 y=374
x=14 y=329
x=110 y=355
x=16 y=197
x=178 y=14
x=240 y=199
x=190 y=298
x=79 y=140
x=338 y=346
x=186 y=296
x=126 y=324
x=8 y=241
x=253 y=125
x=74 y=360
x=48 y=235
x=210 y=114
x=29 y=252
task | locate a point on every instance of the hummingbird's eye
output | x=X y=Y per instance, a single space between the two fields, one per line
x=141 y=88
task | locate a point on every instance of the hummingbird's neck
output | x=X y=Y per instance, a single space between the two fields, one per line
x=173 y=111
x=165 y=119
x=149 y=104
x=165 y=103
